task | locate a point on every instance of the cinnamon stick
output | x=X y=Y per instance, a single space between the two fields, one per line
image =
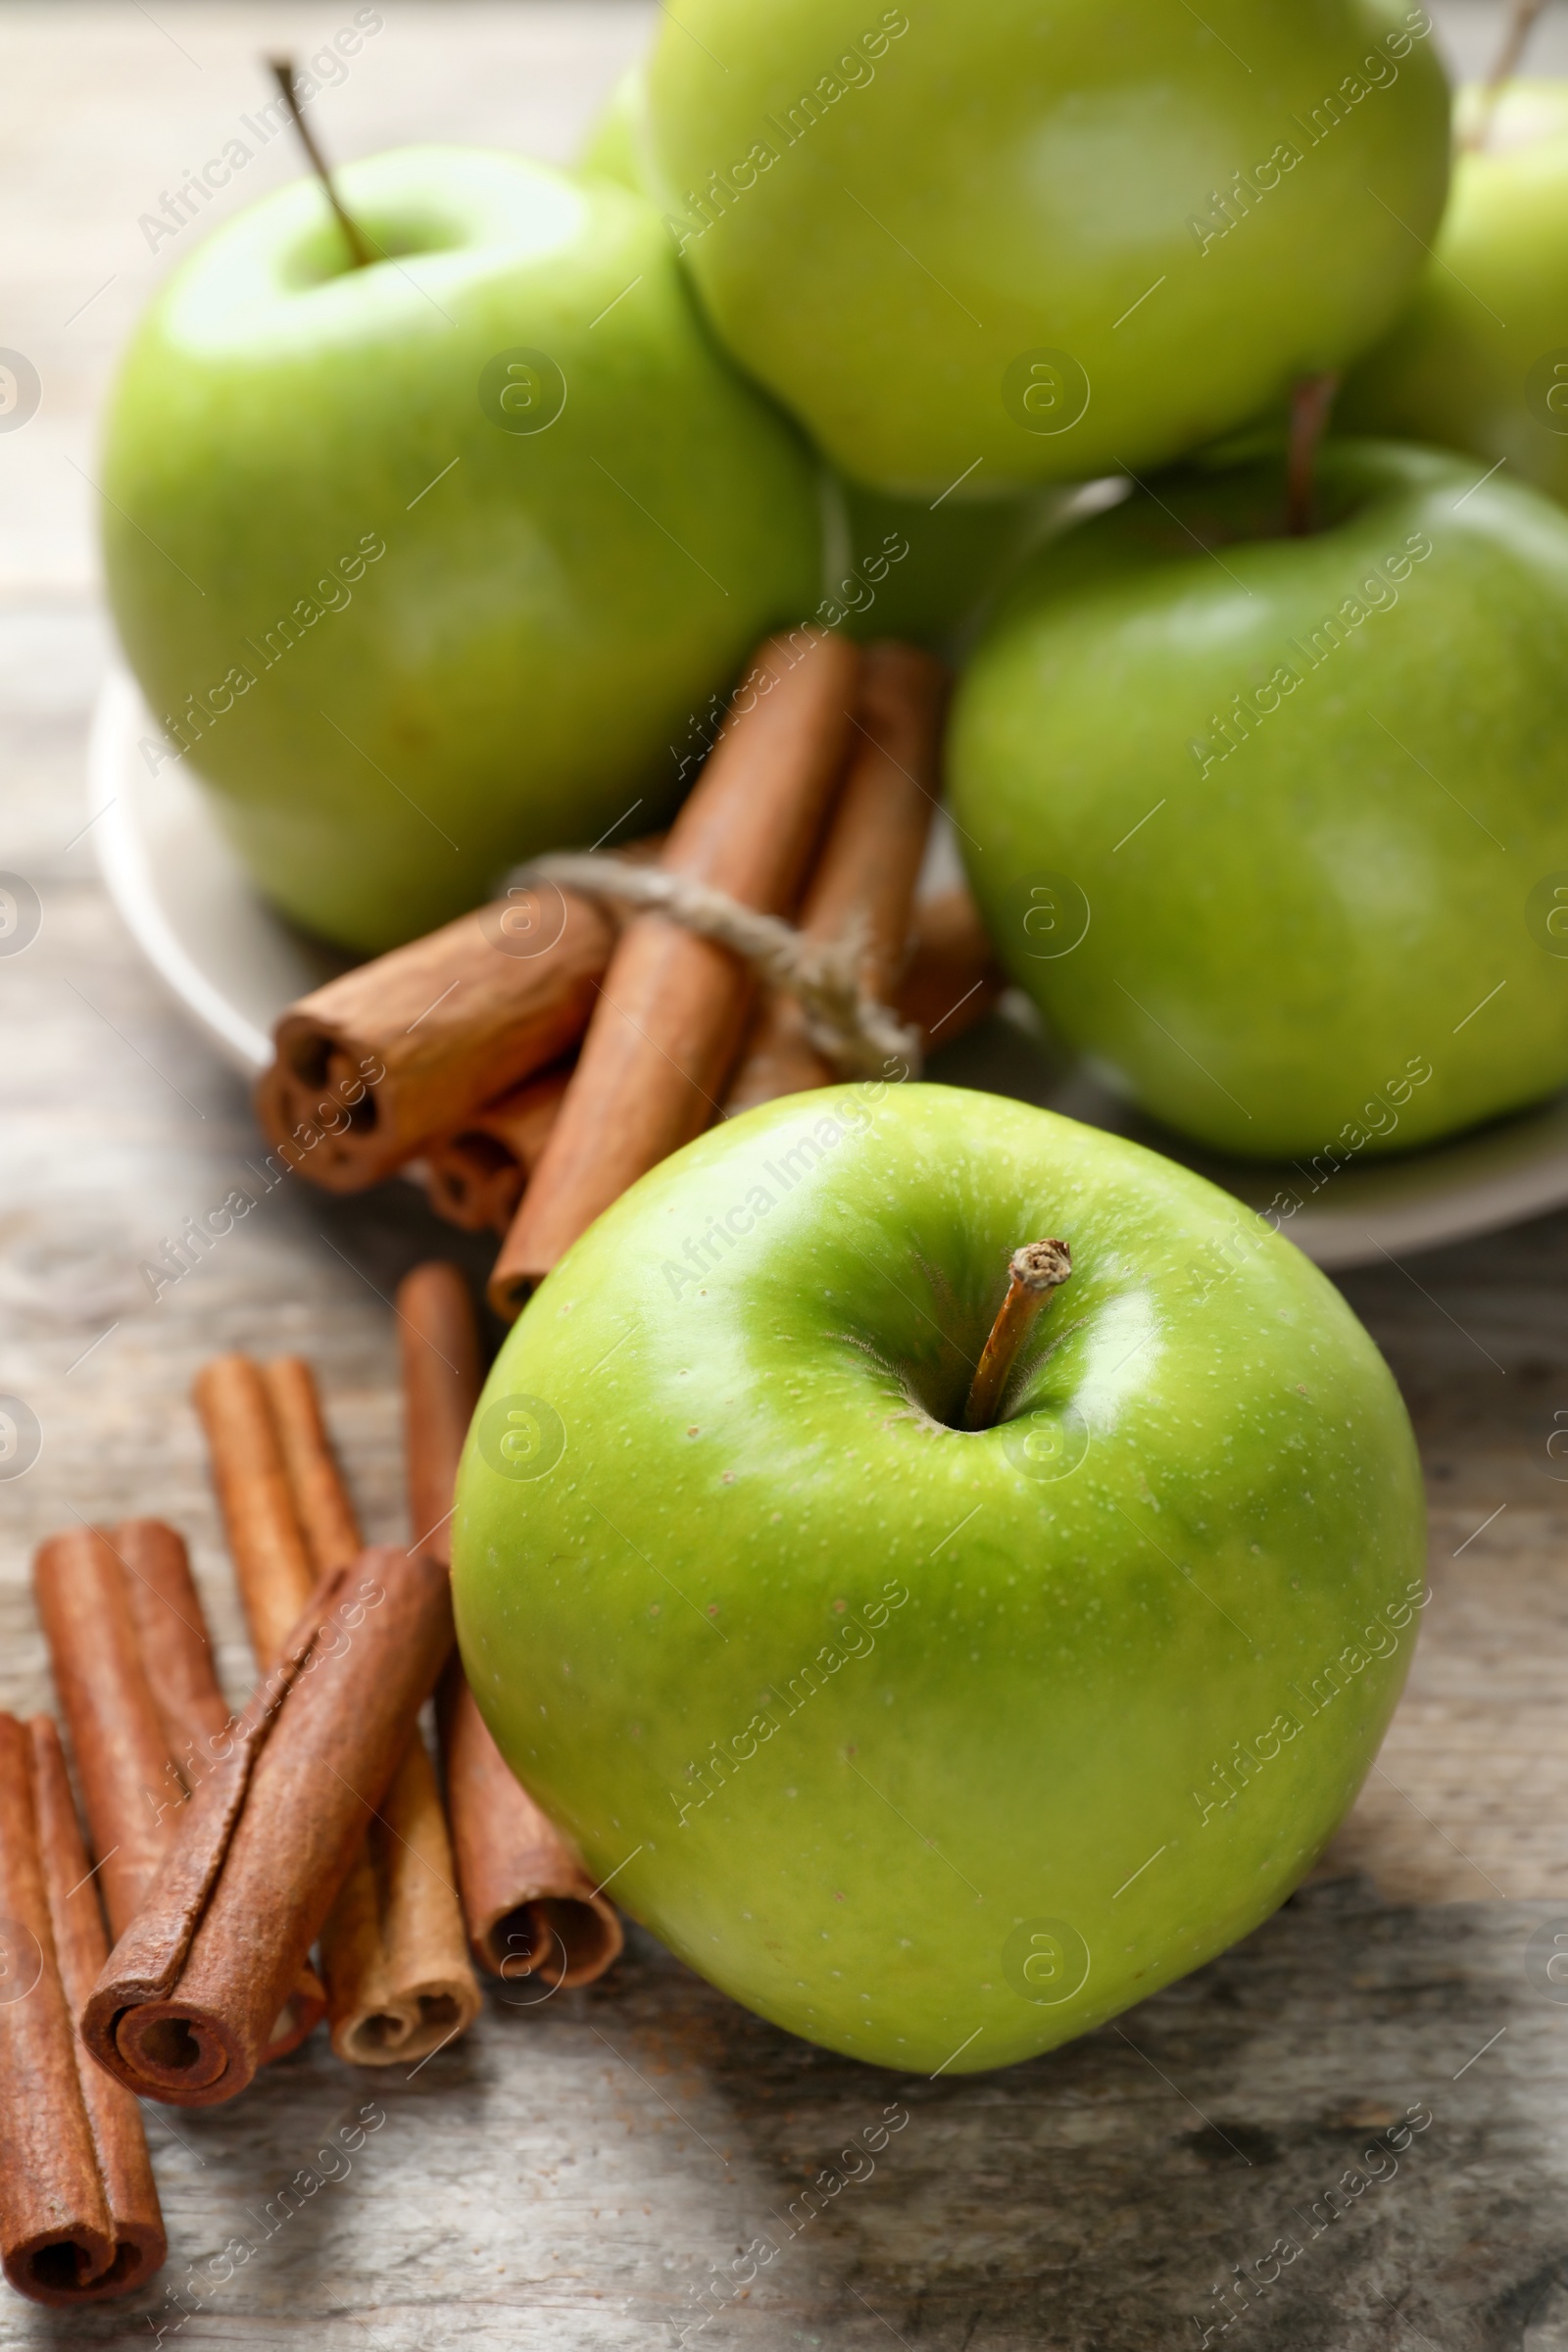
x=438 y=1348
x=79 y=2218
x=530 y=1906
x=673 y=1007
x=397 y=1975
x=372 y=1066
x=176 y=1654
x=273 y=1564
x=323 y=1512
x=171 y=1637
x=186 y=2000
x=397 y=1979
x=952 y=979
x=122 y=1754
x=865 y=878
x=133 y=1666
x=475 y=1177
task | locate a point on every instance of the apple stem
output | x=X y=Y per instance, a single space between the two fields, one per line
x=359 y=255
x=1520 y=26
x=1311 y=399
x=1034 y=1272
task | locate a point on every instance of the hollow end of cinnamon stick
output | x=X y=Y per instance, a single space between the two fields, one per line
x=67 y=2268
x=476 y=1177
x=185 y=2008
x=564 y=1941
x=529 y=1907
x=189 y=2055
x=510 y=1289
x=119 y=2142
x=177 y=2048
x=79 y=2218
x=315 y=1109
x=474 y=1181
x=369 y=1068
x=399 y=1980
x=413 y=2027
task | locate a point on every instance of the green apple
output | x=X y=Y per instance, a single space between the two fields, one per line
x=994 y=245
x=610 y=147
x=944 y=565
x=425 y=564
x=937 y=1746
x=896 y=567
x=1270 y=827
x=1478 y=361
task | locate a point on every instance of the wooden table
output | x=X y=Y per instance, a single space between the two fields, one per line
x=579 y=2177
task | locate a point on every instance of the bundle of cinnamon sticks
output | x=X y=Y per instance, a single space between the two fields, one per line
x=540 y=1055
x=224 y=1846
x=303 y=1858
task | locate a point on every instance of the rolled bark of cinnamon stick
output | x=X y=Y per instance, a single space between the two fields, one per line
x=273 y=1564
x=372 y=1066
x=396 y=1970
x=397 y=1979
x=186 y=2000
x=952 y=979
x=474 y=1179
x=323 y=1512
x=171 y=1637
x=133 y=1666
x=865 y=878
x=176 y=1655
x=438 y=1350
x=530 y=1907
x=673 y=1007
x=79 y=2218
x=122 y=1754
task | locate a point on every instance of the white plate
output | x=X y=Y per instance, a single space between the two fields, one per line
x=234 y=964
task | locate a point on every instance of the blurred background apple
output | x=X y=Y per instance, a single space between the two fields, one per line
x=1257 y=820
x=1478 y=361
x=425 y=564
x=897 y=566
x=988 y=246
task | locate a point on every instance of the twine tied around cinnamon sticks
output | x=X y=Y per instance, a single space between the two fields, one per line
x=858 y=1035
